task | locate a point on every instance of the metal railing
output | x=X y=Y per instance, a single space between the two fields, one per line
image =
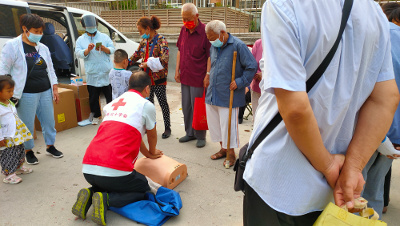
x=239 y=16
x=383 y=2
x=123 y=13
x=171 y=20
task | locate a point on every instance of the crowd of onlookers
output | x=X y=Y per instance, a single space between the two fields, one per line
x=333 y=142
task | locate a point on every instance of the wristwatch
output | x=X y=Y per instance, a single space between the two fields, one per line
x=208 y=73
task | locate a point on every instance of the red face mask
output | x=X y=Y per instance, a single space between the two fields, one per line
x=189 y=25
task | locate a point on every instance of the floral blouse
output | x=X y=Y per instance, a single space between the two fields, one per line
x=161 y=51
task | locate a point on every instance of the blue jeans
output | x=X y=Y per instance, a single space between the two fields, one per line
x=374 y=175
x=40 y=104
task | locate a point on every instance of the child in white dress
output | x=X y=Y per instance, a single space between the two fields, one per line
x=13 y=134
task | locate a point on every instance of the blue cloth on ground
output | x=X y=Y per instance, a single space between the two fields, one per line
x=155 y=210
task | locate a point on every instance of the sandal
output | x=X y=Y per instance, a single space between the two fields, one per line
x=12 y=179
x=232 y=159
x=219 y=155
x=23 y=170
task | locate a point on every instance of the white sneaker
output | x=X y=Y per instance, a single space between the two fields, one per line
x=95 y=121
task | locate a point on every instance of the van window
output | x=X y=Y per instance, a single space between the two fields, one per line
x=9 y=17
x=100 y=27
x=60 y=29
x=119 y=39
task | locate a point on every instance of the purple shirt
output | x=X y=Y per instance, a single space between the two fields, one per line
x=194 y=51
x=257 y=53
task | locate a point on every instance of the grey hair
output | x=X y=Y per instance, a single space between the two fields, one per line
x=216 y=26
x=190 y=7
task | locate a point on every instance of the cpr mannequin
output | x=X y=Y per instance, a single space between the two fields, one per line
x=164 y=170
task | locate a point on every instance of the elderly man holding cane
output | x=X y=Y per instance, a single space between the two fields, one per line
x=218 y=94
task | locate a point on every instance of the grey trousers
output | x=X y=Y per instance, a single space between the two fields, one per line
x=188 y=95
x=374 y=175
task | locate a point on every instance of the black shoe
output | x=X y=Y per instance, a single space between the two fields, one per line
x=83 y=203
x=54 y=152
x=31 y=158
x=240 y=120
x=100 y=206
x=166 y=134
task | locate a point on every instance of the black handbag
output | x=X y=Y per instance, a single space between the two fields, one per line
x=245 y=153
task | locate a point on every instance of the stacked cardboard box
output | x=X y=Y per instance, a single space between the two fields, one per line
x=64 y=111
x=81 y=100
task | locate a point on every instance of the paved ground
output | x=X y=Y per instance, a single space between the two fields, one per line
x=46 y=196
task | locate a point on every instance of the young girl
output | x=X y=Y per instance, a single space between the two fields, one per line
x=13 y=134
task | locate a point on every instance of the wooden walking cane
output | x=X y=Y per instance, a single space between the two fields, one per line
x=227 y=162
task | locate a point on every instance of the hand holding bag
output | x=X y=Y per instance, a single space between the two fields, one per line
x=245 y=154
x=333 y=215
x=199 y=113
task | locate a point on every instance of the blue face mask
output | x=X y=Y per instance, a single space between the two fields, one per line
x=34 y=37
x=217 y=43
x=91 y=30
x=146 y=36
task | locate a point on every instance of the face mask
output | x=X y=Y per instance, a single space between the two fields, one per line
x=189 y=25
x=91 y=30
x=146 y=36
x=217 y=43
x=34 y=37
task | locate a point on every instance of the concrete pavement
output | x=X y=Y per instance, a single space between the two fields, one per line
x=46 y=196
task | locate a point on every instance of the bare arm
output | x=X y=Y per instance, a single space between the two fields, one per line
x=56 y=96
x=152 y=152
x=206 y=81
x=152 y=139
x=302 y=127
x=373 y=123
x=177 y=73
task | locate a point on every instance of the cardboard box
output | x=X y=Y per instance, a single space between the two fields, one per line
x=79 y=91
x=81 y=100
x=64 y=111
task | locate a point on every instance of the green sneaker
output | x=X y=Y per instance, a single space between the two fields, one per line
x=83 y=203
x=100 y=205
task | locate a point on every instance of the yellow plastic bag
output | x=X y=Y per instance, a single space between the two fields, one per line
x=333 y=215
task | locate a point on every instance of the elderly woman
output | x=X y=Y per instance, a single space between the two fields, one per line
x=154 y=52
x=29 y=63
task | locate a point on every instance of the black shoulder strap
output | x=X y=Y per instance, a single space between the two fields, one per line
x=309 y=84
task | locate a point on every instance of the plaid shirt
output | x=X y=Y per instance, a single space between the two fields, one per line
x=161 y=51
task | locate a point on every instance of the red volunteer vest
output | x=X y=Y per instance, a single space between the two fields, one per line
x=117 y=142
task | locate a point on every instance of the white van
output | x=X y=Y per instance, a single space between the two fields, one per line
x=67 y=24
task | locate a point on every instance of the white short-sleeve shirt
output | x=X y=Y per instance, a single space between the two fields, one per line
x=296 y=36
